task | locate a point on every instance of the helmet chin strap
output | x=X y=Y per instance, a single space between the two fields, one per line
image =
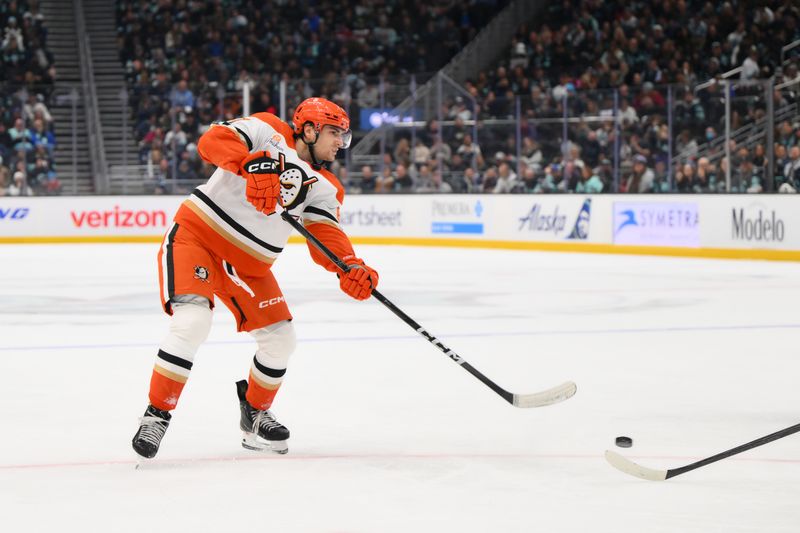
x=315 y=164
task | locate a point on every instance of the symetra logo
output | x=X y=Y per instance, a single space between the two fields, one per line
x=555 y=222
x=760 y=227
x=469 y=213
x=656 y=223
x=119 y=218
x=14 y=213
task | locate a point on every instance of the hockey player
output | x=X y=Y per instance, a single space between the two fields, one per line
x=224 y=239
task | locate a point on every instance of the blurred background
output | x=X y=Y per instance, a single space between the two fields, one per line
x=464 y=96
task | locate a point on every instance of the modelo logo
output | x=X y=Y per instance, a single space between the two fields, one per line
x=14 y=213
x=759 y=228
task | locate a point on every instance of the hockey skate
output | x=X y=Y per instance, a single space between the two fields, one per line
x=260 y=430
x=154 y=424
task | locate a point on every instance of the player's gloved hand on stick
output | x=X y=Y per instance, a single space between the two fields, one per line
x=359 y=281
x=263 y=185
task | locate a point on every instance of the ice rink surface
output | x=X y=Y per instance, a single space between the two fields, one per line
x=688 y=357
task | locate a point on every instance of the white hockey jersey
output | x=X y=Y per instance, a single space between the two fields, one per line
x=219 y=211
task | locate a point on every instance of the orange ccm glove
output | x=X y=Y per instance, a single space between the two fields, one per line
x=359 y=281
x=263 y=186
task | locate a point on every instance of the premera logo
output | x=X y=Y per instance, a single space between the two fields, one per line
x=119 y=218
x=14 y=213
x=459 y=217
x=758 y=226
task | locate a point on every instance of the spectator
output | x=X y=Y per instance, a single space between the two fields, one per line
x=402 y=179
x=506 y=179
x=590 y=181
x=402 y=152
x=750 y=68
x=437 y=184
x=385 y=182
x=470 y=152
x=473 y=180
x=43 y=137
x=424 y=181
x=791 y=169
x=181 y=95
x=21 y=137
x=420 y=154
x=368 y=180
x=19 y=187
x=684 y=179
x=4 y=173
x=642 y=178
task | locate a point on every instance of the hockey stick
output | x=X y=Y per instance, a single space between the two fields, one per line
x=537 y=399
x=629 y=467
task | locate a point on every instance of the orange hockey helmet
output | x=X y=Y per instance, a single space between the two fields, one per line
x=318 y=112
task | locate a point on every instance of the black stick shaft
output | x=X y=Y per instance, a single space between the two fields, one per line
x=507 y=396
x=733 y=451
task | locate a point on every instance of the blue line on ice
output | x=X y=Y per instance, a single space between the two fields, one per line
x=247 y=340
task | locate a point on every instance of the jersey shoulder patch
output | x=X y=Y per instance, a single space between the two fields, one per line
x=278 y=125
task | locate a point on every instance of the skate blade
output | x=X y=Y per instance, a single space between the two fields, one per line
x=141 y=462
x=251 y=441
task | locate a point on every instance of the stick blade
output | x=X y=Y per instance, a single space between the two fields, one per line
x=565 y=391
x=632 y=469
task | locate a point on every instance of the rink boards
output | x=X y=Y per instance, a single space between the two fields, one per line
x=734 y=226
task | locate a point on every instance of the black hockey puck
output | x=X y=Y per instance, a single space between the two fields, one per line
x=624 y=442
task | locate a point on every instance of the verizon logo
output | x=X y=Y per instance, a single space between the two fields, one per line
x=119 y=218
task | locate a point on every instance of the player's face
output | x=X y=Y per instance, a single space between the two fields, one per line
x=330 y=140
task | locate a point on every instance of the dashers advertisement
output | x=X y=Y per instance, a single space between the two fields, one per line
x=547 y=220
x=657 y=224
x=457 y=216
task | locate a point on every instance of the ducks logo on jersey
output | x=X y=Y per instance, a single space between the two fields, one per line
x=294 y=181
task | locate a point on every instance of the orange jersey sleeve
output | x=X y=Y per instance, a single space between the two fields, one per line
x=334 y=238
x=222 y=146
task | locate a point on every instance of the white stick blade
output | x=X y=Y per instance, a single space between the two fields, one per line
x=565 y=391
x=629 y=467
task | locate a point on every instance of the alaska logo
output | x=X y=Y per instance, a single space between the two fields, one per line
x=294 y=181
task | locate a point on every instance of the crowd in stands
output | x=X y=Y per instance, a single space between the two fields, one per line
x=641 y=62
x=26 y=83
x=590 y=60
x=187 y=61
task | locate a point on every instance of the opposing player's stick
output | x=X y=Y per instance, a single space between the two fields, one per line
x=629 y=467
x=538 y=399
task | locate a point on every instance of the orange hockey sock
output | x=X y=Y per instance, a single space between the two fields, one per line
x=165 y=389
x=260 y=395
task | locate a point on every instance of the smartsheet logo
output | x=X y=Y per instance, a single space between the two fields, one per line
x=372 y=217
